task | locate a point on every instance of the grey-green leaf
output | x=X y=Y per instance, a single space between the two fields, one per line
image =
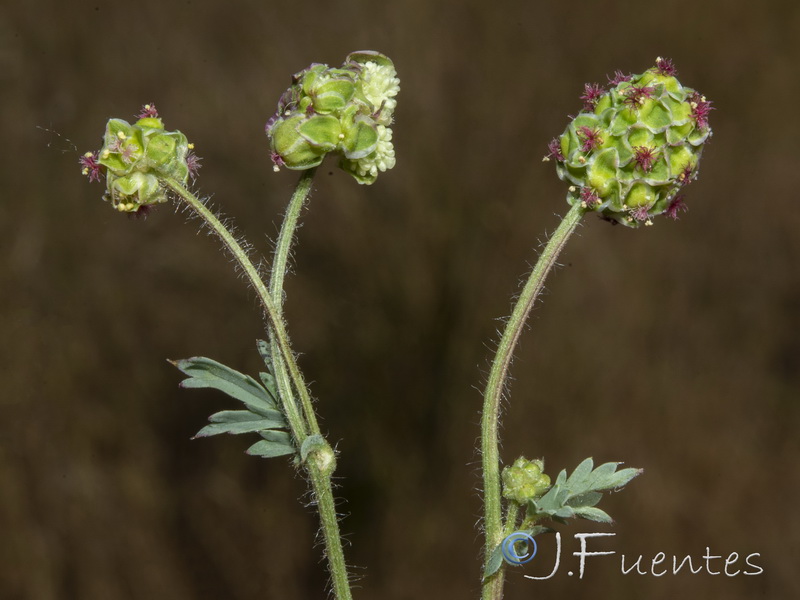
x=587 y=499
x=230 y=416
x=238 y=427
x=593 y=514
x=269 y=449
x=548 y=503
x=266 y=353
x=602 y=473
x=494 y=563
x=617 y=479
x=564 y=512
x=281 y=437
x=576 y=481
x=269 y=383
x=578 y=494
x=207 y=373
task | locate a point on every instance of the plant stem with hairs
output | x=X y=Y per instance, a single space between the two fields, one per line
x=490 y=417
x=320 y=462
x=627 y=157
x=347 y=111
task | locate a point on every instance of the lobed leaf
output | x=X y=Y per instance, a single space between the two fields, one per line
x=593 y=514
x=578 y=494
x=262 y=414
x=237 y=427
x=207 y=373
x=267 y=449
x=231 y=416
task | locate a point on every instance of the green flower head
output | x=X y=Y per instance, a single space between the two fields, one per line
x=525 y=480
x=346 y=110
x=634 y=147
x=135 y=158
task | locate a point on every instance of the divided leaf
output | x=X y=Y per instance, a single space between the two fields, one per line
x=262 y=413
x=238 y=421
x=578 y=494
x=275 y=443
x=207 y=373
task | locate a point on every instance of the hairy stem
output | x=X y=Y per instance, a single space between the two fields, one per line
x=320 y=478
x=293 y=415
x=510 y=525
x=279 y=265
x=490 y=453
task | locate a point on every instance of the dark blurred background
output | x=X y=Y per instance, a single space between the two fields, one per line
x=673 y=348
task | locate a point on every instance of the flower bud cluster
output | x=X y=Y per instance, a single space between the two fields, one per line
x=346 y=110
x=525 y=480
x=633 y=147
x=134 y=158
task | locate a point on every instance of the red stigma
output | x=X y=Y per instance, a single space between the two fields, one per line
x=687 y=175
x=555 y=149
x=277 y=159
x=635 y=95
x=91 y=168
x=665 y=67
x=675 y=206
x=193 y=163
x=590 y=138
x=700 y=109
x=644 y=157
x=148 y=112
x=591 y=94
x=589 y=196
x=618 y=78
x=640 y=213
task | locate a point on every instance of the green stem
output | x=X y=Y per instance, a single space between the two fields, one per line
x=493 y=525
x=279 y=264
x=329 y=520
x=296 y=423
x=319 y=475
x=512 y=512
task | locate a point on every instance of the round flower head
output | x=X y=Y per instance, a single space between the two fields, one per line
x=631 y=150
x=345 y=110
x=525 y=480
x=134 y=158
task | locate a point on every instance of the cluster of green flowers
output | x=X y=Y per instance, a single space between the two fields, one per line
x=525 y=480
x=632 y=148
x=135 y=157
x=346 y=110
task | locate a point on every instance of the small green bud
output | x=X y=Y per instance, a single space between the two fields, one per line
x=631 y=150
x=345 y=110
x=525 y=480
x=135 y=158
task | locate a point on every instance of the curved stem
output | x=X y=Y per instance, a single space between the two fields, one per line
x=320 y=479
x=493 y=525
x=277 y=276
x=293 y=416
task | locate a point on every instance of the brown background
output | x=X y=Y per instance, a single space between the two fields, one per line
x=673 y=348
